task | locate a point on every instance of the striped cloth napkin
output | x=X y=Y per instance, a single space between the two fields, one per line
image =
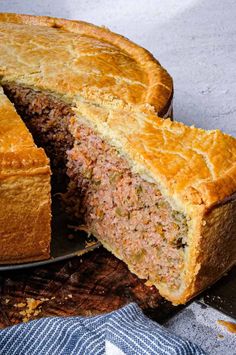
x=126 y=331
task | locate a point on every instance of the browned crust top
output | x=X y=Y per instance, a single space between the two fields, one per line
x=192 y=166
x=76 y=55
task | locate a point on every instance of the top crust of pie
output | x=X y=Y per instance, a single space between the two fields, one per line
x=109 y=80
x=73 y=58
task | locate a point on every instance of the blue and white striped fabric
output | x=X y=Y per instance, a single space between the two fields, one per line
x=126 y=331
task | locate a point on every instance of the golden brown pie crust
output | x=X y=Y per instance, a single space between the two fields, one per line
x=73 y=58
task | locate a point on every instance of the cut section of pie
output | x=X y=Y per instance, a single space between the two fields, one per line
x=158 y=194
x=25 y=213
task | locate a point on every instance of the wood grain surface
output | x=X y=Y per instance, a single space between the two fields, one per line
x=92 y=284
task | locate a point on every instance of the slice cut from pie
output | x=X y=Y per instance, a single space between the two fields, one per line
x=160 y=195
x=25 y=213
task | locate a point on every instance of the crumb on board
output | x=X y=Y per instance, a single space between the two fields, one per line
x=32 y=308
x=7 y=300
x=20 y=305
x=68 y=296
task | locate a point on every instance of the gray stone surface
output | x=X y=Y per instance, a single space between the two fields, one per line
x=196 y=41
x=199 y=324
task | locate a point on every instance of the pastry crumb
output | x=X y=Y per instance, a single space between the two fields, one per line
x=33 y=303
x=230 y=326
x=33 y=308
x=23 y=313
x=70 y=295
x=20 y=305
x=7 y=300
x=44 y=299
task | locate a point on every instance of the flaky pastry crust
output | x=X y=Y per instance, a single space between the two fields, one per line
x=72 y=58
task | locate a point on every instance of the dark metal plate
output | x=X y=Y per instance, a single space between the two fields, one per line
x=66 y=242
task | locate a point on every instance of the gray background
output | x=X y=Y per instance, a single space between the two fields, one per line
x=196 y=41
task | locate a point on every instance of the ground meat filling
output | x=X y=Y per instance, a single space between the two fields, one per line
x=103 y=195
x=124 y=210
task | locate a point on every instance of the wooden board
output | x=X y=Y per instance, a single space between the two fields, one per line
x=92 y=284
